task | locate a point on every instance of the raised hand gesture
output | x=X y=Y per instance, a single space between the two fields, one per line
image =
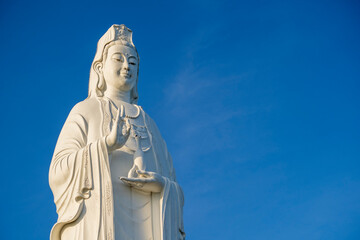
x=119 y=132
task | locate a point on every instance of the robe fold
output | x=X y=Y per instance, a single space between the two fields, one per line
x=80 y=179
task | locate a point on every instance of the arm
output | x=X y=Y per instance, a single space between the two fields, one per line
x=70 y=169
x=70 y=174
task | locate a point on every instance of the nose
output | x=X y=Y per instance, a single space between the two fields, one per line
x=126 y=65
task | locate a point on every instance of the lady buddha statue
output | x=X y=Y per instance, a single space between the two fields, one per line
x=111 y=174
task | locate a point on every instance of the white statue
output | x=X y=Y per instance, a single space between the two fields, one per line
x=111 y=174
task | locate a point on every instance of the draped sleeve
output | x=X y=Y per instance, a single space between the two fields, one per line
x=70 y=175
x=172 y=206
x=172 y=196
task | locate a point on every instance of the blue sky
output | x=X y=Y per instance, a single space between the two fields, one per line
x=258 y=102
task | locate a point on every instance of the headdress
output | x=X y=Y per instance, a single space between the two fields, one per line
x=121 y=35
x=117 y=33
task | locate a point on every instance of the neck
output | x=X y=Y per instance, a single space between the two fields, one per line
x=117 y=95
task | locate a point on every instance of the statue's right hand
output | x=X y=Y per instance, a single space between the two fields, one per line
x=119 y=132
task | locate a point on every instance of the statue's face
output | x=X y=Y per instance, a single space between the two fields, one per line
x=120 y=68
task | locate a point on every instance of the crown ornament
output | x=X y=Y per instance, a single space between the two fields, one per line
x=118 y=33
x=123 y=34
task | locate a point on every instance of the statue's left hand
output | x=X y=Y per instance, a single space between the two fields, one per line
x=148 y=181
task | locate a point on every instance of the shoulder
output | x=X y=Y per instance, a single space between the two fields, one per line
x=151 y=123
x=147 y=117
x=87 y=108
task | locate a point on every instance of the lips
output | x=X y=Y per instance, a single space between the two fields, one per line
x=125 y=74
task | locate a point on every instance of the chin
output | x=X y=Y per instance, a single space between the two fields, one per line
x=126 y=85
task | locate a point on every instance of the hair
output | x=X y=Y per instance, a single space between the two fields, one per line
x=97 y=83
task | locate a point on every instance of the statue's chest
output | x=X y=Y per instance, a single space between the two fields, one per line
x=138 y=130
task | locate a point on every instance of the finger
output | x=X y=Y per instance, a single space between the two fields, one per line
x=131 y=184
x=122 y=111
x=114 y=129
x=135 y=180
x=143 y=173
x=117 y=117
x=126 y=180
x=125 y=129
x=128 y=125
x=151 y=174
x=138 y=185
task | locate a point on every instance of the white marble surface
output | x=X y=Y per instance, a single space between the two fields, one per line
x=111 y=174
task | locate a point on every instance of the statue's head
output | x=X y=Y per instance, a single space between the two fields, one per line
x=115 y=52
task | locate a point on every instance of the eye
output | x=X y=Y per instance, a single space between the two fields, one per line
x=117 y=58
x=132 y=61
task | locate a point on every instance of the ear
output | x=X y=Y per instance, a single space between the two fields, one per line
x=98 y=67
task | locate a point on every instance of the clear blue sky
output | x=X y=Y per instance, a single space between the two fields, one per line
x=258 y=101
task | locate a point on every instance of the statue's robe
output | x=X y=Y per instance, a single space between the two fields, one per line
x=80 y=179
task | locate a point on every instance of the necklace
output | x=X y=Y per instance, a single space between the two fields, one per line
x=137 y=114
x=127 y=116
